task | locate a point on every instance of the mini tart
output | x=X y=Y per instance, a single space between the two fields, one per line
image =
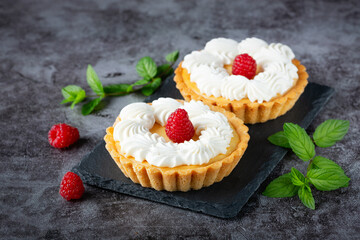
x=182 y=178
x=249 y=112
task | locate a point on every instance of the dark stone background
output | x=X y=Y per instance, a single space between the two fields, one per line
x=46 y=45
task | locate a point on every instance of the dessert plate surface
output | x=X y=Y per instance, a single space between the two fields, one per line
x=223 y=199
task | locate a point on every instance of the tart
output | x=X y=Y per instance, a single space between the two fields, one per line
x=207 y=76
x=139 y=145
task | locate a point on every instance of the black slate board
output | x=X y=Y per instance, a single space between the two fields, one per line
x=226 y=198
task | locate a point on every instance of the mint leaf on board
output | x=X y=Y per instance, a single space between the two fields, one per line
x=279 y=139
x=306 y=197
x=147 y=90
x=330 y=131
x=299 y=141
x=297 y=178
x=146 y=67
x=164 y=70
x=116 y=88
x=94 y=82
x=324 y=163
x=79 y=97
x=89 y=107
x=281 y=187
x=70 y=92
x=327 y=180
x=172 y=57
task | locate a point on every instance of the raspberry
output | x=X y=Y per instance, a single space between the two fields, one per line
x=179 y=127
x=244 y=65
x=62 y=135
x=71 y=186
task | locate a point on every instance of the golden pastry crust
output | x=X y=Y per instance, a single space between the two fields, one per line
x=181 y=178
x=249 y=112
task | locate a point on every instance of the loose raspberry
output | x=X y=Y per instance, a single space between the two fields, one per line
x=71 y=186
x=62 y=135
x=244 y=65
x=179 y=127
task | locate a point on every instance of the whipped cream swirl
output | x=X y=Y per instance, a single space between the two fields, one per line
x=207 y=69
x=136 y=140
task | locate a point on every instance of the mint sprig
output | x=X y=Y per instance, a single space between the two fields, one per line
x=74 y=94
x=322 y=173
x=151 y=79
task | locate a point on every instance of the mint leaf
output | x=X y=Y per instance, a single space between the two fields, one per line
x=279 y=139
x=146 y=67
x=147 y=90
x=281 y=187
x=172 y=57
x=327 y=180
x=324 y=163
x=116 y=88
x=330 y=131
x=89 y=107
x=79 y=97
x=299 y=141
x=141 y=82
x=70 y=92
x=306 y=197
x=297 y=178
x=94 y=82
x=164 y=70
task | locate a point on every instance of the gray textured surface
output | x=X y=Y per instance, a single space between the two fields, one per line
x=45 y=46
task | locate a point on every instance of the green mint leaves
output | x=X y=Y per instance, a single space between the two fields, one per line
x=281 y=187
x=330 y=131
x=90 y=106
x=327 y=180
x=324 y=174
x=74 y=94
x=306 y=197
x=146 y=67
x=151 y=79
x=172 y=57
x=94 y=82
x=299 y=141
x=324 y=163
x=279 y=139
x=297 y=178
x=148 y=89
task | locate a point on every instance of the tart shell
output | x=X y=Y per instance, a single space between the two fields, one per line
x=249 y=112
x=181 y=178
